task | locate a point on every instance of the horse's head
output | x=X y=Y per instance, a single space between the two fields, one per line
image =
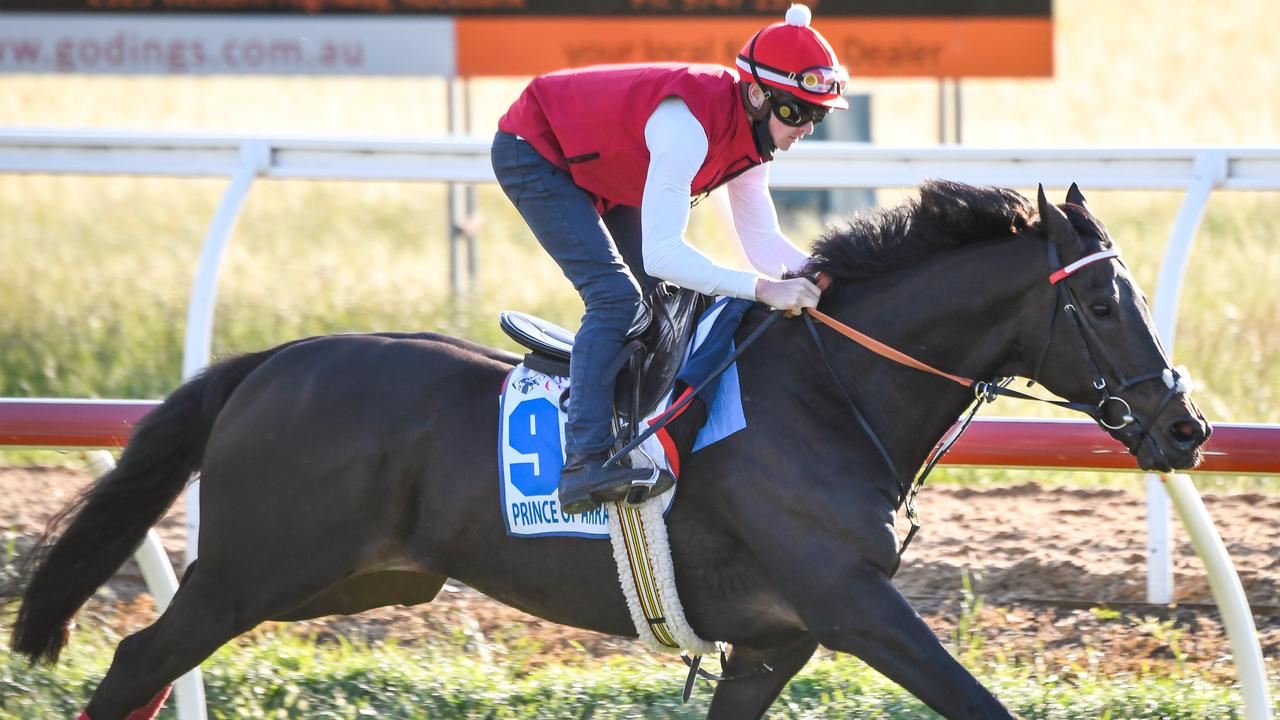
x=1099 y=347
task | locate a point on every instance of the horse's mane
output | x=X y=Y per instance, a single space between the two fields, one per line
x=946 y=215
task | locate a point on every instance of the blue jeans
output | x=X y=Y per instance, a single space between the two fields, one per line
x=601 y=256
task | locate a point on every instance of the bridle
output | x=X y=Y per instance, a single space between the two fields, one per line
x=1090 y=344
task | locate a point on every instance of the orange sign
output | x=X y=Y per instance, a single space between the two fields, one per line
x=869 y=47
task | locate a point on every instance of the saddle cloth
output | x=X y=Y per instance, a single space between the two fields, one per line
x=531 y=431
x=532 y=454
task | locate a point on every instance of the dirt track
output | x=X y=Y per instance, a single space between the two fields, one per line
x=1039 y=558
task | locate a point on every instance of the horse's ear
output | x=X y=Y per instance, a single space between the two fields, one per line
x=1053 y=220
x=1076 y=197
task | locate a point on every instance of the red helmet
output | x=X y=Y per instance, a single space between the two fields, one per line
x=793 y=57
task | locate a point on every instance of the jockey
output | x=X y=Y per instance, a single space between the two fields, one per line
x=602 y=161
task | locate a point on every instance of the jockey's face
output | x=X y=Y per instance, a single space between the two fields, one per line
x=784 y=136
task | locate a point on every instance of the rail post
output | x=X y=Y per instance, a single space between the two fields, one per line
x=1210 y=171
x=188 y=690
x=255 y=159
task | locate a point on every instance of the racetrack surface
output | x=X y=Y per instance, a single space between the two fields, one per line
x=1059 y=573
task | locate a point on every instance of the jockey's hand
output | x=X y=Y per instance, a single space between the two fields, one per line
x=791 y=296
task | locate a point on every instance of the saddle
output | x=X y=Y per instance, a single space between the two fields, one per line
x=655 y=346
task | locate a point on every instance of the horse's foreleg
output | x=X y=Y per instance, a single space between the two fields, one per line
x=872 y=620
x=749 y=693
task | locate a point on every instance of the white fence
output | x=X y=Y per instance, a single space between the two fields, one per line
x=243 y=159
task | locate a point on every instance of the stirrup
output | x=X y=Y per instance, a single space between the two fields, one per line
x=602 y=489
x=658 y=482
x=619 y=491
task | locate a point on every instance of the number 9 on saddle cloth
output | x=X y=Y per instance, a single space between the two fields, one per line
x=678 y=339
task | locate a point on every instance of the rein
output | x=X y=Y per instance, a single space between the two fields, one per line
x=907 y=494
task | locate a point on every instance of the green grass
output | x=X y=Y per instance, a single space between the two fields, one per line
x=275 y=675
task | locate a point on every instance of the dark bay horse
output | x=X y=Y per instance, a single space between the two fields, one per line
x=349 y=472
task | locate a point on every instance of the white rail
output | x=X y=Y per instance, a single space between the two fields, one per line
x=466 y=159
x=188 y=689
x=1196 y=171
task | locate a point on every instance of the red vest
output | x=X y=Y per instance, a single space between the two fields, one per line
x=590 y=122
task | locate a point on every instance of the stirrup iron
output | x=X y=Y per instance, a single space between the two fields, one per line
x=658 y=482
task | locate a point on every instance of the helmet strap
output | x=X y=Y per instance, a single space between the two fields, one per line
x=759 y=116
x=759 y=121
x=751 y=58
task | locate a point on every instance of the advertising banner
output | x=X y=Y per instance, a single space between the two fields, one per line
x=471 y=38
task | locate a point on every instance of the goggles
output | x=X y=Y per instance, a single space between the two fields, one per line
x=795 y=112
x=822 y=80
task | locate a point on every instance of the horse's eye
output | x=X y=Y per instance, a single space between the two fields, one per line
x=1100 y=309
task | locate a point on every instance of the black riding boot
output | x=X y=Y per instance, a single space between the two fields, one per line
x=585 y=484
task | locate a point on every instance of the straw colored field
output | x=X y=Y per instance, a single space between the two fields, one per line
x=97 y=273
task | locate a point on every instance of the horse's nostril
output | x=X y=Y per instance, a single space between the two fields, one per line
x=1187 y=433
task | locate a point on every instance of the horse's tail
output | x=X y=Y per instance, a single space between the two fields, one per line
x=98 y=531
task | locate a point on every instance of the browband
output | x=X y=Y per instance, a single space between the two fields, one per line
x=1086 y=260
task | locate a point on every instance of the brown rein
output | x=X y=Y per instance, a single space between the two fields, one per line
x=878 y=347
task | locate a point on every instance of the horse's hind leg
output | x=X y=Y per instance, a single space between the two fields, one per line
x=201 y=617
x=749 y=694
x=209 y=609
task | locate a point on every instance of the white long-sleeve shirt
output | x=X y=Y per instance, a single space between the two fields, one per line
x=677 y=148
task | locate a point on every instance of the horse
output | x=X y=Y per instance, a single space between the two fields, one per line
x=347 y=472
